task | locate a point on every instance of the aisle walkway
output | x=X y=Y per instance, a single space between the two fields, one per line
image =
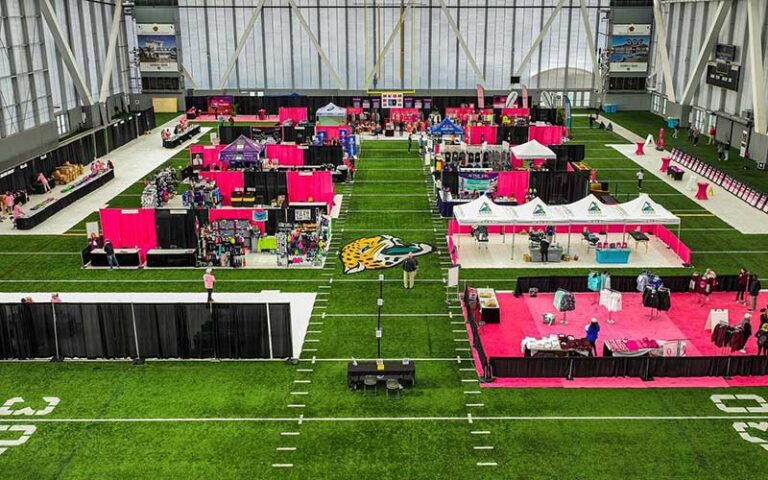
x=735 y=212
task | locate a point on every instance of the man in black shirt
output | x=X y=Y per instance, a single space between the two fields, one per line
x=109 y=249
x=410 y=266
x=544 y=248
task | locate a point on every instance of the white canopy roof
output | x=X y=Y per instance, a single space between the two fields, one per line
x=331 y=110
x=591 y=210
x=531 y=150
x=536 y=212
x=482 y=211
x=644 y=210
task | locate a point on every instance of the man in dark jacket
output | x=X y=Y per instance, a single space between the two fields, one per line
x=754 y=291
x=410 y=266
x=544 y=249
x=109 y=249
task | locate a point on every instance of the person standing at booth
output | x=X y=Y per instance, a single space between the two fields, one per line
x=754 y=291
x=109 y=250
x=742 y=282
x=593 y=329
x=209 y=281
x=410 y=266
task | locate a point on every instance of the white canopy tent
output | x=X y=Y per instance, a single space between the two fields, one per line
x=643 y=210
x=482 y=211
x=331 y=110
x=591 y=210
x=532 y=150
x=536 y=212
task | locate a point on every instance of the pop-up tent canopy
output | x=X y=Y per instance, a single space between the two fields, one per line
x=446 y=127
x=536 y=212
x=591 y=210
x=243 y=150
x=532 y=150
x=482 y=211
x=331 y=115
x=644 y=210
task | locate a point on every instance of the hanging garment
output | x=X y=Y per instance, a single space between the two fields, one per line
x=651 y=297
x=605 y=281
x=568 y=303
x=559 y=294
x=665 y=299
x=642 y=281
x=594 y=282
x=611 y=300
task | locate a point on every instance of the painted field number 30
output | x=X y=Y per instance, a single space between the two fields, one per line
x=21 y=432
x=745 y=403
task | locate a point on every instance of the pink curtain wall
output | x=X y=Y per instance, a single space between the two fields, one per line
x=549 y=135
x=129 y=228
x=331 y=131
x=295 y=114
x=354 y=111
x=404 y=114
x=210 y=155
x=476 y=133
x=286 y=155
x=515 y=112
x=513 y=184
x=310 y=186
x=227 y=182
x=215 y=214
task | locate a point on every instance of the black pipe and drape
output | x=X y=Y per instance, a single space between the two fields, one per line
x=164 y=330
x=571 y=153
x=557 y=188
x=175 y=228
x=266 y=186
x=317 y=155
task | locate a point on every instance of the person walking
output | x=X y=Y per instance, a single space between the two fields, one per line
x=593 y=330
x=676 y=131
x=410 y=267
x=754 y=291
x=591 y=121
x=208 y=282
x=712 y=132
x=640 y=175
x=726 y=151
x=109 y=249
x=696 y=135
x=746 y=327
x=690 y=133
x=410 y=142
x=742 y=282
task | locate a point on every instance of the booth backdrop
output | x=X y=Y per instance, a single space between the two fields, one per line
x=129 y=228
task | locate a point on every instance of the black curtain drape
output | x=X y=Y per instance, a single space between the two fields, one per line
x=228 y=134
x=621 y=283
x=450 y=180
x=267 y=186
x=317 y=155
x=571 y=153
x=175 y=228
x=556 y=188
x=548 y=115
x=280 y=325
x=513 y=135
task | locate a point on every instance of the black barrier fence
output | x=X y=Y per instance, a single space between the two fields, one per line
x=725 y=283
x=144 y=330
x=645 y=368
x=477 y=343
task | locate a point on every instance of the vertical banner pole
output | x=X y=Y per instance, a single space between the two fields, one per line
x=138 y=360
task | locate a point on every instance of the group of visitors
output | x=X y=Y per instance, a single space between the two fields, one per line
x=748 y=283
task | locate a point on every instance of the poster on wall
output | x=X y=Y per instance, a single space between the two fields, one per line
x=478 y=181
x=630 y=48
x=391 y=100
x=157 y=47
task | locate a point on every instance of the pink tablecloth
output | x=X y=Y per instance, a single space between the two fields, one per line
x=548 y=135
x=665 y=161
x=477 y=134
x=701 y=193
x=640 y=150
x=515 y=112
x=287 y=155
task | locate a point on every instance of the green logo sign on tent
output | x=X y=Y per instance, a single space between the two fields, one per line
x=594 y=209
x=539 y=210
x=485 y=209
x=648 y=209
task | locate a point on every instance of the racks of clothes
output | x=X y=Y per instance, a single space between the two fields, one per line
x=658 y=299
x=225 y=243
x=305 y=244
x=611 y=300
x=565 y=302
x=703 y=284
x=159 y=190
x=597 y=281
x=725 y=336
x=648 y=279
x=202 y=194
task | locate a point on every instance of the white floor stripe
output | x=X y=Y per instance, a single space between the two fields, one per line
x=286 y=449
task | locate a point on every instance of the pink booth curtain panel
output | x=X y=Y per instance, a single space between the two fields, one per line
x=227 y=182
x=515 y=112
x=216 y=214
x=201 y=156
x=129 y=228
x=514 y=184
x=310 y=186
x=332 y=131
x=478 y=133
x=286 y=155
x=548 y=135
x=295 y=114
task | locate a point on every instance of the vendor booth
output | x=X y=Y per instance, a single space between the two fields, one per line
x=533 y=151
x=331 y=115
x=241 y=153
x=446 y=128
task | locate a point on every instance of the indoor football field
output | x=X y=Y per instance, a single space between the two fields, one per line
x=275 y=419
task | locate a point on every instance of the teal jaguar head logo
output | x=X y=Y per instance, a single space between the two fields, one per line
x=378 y=252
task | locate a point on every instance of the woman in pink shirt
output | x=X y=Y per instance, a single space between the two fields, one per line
x=208 y=281
x=44 y=181
x=17 y=213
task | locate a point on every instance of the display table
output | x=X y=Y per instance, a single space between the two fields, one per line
x=612 y=255
x=267 y=243
x=175 y=257
x=36 y=217
x=554 y=255
x=675 y=172
x=631 y=348
x=716 y=316
x=640 y=148
x=639 y=237
x=701 y=193
x=126 y=257
x=556 y=346
x=405 y=374
x=177 y=140
x=489 y=305
x=665 y=161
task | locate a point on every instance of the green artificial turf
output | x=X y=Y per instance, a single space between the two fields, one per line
x=225 y=419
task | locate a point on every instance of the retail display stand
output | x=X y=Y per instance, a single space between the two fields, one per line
x=564 y=302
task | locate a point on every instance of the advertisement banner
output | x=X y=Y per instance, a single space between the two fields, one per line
x=157 y=47
x=392 y=100
x=630 y=48
x=478 y=181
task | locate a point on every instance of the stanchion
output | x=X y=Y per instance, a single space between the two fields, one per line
x=569 y=377
x=137 y=360
x=378 y=322
x=727 y=375
x=647 y=375
x=57 y=357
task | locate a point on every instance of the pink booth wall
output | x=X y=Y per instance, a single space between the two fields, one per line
x=549 y=135
x=288 y=155
x=331 y=131
x=660 y=231
x=295 y=114
x=478 y=132
x=316 y=185
x=354 y=111
x=129 y=228
x=215 y=214
x=516 y=112
x=210 y=155
x=227 y=182
x=513 y=184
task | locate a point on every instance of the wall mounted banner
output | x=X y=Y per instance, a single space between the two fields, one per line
x=630 y=48
x=391 y=100
x=378 y=252
x=157 y=47
x=478 y=181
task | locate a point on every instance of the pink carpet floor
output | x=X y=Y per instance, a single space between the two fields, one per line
x=238 y=119
x=521 y=317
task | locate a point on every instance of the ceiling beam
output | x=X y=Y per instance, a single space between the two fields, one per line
x=109 y=63
x=540 y=37
x=756 y=70
x=240 y=45
x=463 y=43
x=661 y=44
x=590 y=41
x=710 y=38
x=313 y=39
x=388 y=44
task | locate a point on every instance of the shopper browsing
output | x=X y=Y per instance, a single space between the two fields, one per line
x=593 y=329
x=746 y=327
x=410 y=267
x=109 y=249
x=754 y=291
x=742 y=282
x=209 y=281
x=762 y=340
